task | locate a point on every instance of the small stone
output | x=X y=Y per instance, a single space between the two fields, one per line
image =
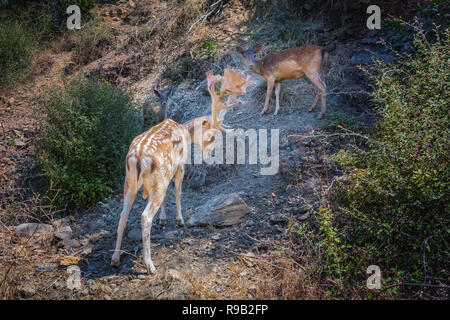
x=220 y=211
x=72 y=243
x=215 y=237
x=15 y=157
x=27 y=292
x=218 y=290
x=64 y=233
x=135 y=234
x=172 y=235
x=19 y=143
x=36 y=229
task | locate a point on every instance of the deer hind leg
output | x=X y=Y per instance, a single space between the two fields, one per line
x=179 y=174
x=129 y=196
x=270 y=84
x=146 y=224
x=277 y=96
x=162 y=215
x=316 y=99
x=315 y=79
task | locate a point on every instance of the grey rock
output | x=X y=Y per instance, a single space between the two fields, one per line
x=64 y=233
x=135 y=234
x=220 y=211
x=15 y=157
x=27 y=292
x=215 y=237
x=36 y=229
x=71 y=243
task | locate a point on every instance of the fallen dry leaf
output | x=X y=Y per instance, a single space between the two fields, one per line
x=69 y=260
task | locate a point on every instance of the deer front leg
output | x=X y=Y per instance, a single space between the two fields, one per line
x=277 y=97
x=315 y=79
x=129 y=197
x=270 y=84
x=179 y=174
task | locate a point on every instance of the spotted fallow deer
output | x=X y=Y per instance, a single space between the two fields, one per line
x=158 y=155
x=289 y=64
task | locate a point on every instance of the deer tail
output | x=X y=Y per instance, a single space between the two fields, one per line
x=135 y=168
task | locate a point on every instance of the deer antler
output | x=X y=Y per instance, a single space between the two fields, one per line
x=232 y=83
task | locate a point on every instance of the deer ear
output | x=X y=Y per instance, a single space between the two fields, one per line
x=157 y=93
x=205 y=123
x=240 y=50
x=258 y=48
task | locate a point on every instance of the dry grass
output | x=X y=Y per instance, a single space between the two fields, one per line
x=273 y=276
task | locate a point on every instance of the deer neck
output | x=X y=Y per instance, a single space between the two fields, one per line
x=190 y=125
x=216 y=106
x=257 y=67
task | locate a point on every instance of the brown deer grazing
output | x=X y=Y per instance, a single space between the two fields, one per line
x=289 y=65
x=158 y=155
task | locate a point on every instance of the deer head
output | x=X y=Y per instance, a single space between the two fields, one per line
x=231 y=84
x=249 y=57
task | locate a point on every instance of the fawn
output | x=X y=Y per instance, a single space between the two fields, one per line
x=289 y=64
x=158 y=155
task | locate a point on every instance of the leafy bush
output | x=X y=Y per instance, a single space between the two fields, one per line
x=16 y=44
x=87 y=132
x=398 y=190
x=208 y=49
x=339 y=119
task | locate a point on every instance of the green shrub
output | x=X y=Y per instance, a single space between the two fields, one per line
x=339 y=119
x=87 y=132
x=208 y=49
x=398 y=190
x=16 y=44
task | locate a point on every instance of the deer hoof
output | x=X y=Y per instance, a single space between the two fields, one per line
x=162 y=222
x=320 y=116
x=150 y=268
x=115 y=262
x=180 y=223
